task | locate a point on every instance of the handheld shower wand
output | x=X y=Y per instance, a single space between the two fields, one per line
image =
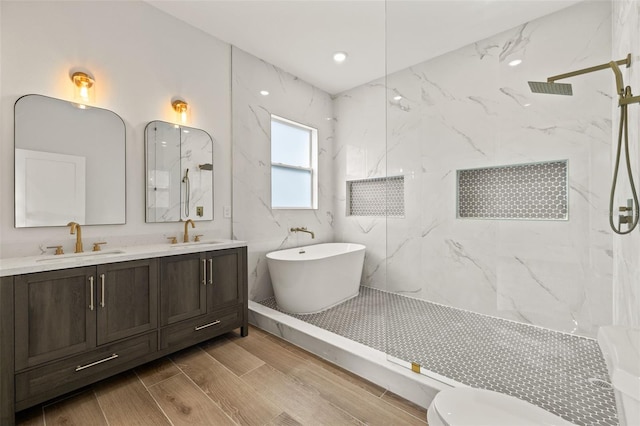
x=625 y=98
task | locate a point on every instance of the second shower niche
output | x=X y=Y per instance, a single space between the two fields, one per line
x=179 y=173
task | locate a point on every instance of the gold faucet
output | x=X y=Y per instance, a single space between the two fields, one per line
x=186 y=229
x=75 y=226
x=304 y=229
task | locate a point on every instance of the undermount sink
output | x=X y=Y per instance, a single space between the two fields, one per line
x=197 y=243
x=74 y=256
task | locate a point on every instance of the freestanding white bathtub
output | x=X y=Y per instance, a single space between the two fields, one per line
x=314 y=278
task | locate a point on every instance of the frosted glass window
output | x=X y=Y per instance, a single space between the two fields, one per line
x=294 y=164
x=290 y=144
x=290 y=187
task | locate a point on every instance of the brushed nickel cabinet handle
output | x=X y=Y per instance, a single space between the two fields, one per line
x=109 y=358
x=102 y=290
x=211 y=271
x=204 y=272
x=200 y=327
x=91 y=293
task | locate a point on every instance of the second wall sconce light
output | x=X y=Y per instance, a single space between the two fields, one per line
x=83 y=91
x=182 y=109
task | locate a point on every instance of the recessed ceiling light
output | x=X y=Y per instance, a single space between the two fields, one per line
x=264 y=93
x=515 y=62
x=397 y=98
x=340 y=57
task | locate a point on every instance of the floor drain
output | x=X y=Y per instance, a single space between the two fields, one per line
x=599 y=383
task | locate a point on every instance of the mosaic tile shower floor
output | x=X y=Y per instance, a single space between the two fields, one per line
x=547 y=368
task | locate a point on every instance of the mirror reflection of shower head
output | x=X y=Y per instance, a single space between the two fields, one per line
x=550 y=87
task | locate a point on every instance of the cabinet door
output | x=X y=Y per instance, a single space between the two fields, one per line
x=127 y=299
x=225 y=271
x=182 y=287
x=54 y=315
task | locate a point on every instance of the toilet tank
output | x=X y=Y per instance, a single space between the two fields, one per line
x=620 y=347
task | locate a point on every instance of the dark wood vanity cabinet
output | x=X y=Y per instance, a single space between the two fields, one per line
x=62 y=313
x=65 y=329
x=201 y=296
x=64 y=321
x=53 y=318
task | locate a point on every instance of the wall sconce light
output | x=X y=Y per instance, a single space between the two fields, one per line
x=83 y=92
x=182 y=109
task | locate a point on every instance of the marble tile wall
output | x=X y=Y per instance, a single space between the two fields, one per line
x=254 y=221
x=626 y=249
x=469 y=109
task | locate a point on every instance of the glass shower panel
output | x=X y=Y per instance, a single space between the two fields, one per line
x=457 y=99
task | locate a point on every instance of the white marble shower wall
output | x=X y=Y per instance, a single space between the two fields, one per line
x=467 y=109
x=253 y=219
x=626 y=249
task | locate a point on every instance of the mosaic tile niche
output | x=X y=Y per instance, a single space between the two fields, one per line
x=536 y=191
x=376 y=197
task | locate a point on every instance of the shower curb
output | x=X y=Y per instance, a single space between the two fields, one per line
x=357 y=358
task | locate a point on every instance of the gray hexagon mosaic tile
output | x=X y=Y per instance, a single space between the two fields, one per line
x=552 y=370
x=523 y=191
x=376 y=197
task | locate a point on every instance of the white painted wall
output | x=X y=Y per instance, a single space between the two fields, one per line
x=141 y=58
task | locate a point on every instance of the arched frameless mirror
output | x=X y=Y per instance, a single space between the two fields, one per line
x=179 y=170
x=69 y=164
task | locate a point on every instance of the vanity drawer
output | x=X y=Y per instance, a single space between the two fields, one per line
x=196 y=330
x=39 y=384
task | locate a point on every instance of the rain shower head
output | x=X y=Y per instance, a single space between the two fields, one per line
x=551 y=88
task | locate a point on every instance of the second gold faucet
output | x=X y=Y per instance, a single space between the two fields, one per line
x=186 y=229
x=76 y=229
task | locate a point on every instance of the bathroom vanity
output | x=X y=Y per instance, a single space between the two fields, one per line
x=72 y=320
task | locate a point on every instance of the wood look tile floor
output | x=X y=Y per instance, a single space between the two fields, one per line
x=256 y=380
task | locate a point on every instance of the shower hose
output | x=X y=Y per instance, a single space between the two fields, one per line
x=623 y=132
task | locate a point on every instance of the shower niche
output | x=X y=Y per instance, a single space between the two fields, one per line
x=533 y=191
x=179 y=173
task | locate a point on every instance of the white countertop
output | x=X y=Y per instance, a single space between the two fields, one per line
x=26 y=265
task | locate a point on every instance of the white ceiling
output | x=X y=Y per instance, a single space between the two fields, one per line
x=300 y=36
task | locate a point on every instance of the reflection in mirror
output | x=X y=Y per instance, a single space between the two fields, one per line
x=69 y=164
x=179 y=173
